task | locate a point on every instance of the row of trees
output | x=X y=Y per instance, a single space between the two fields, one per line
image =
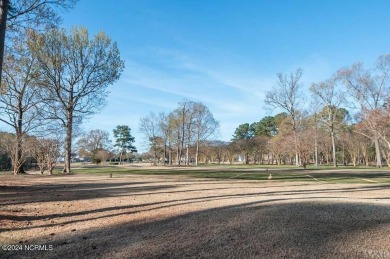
x=43 y=151
x=344 y=119
x=349 y=111
x=52 y=79
x=271 y=141
x=179 y=132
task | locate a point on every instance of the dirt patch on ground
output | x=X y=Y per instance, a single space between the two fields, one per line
x=135 y=216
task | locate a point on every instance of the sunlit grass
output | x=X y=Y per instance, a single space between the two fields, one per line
x=250 y=172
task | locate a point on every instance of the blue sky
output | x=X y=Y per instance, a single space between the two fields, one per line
x=225 y=53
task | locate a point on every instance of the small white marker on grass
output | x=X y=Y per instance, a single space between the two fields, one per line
x=315 y=178
x=237 y=175
x=270 y=177
x=367 y=180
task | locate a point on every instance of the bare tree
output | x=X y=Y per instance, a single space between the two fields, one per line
x=76 y=72
x=52 y=149
x=231 y=150
x=8 y=144
x=94 y=141
x=261 y=147
x=183 y=121
x=37 y=152
x=204 y=125
x=183 y=129
x=166 y=124
x=378 y=121
x=370 y=90
x=287 y=96
x=149 y=126
x=330 y=98
x=20 y=101
x=46 y=151
x=352 y=141
x=103 y=155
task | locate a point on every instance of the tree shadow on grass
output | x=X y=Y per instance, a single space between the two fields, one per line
x=104 y=190
x=88 y=191
x=272 y=227
x=254 y=229
x=19 y=194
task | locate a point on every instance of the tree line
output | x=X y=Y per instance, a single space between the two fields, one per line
x=344 y=119
x=178 y=135
x=348 y=111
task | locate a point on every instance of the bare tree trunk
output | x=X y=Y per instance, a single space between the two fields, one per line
x=296 y=144
x=344 y=159
x=155 y=157
x=385 y=155
x=316 y=149
x=366 y=158
x=165 y=151
x=120 y=157
x=388 y=159
x=18 y=166
x=68 y=141
x=333 y=149
x=178 y=149
x=181 y=149
x=197 y=152
x=327 y=157
x=4 y=5
x=41 y=167
x=50 y=167
x=187 y=155
x=377 y=152
x=169 y=153
x=18 y=163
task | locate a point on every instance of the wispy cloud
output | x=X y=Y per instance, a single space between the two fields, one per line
x=234 y=95
x=234 y=98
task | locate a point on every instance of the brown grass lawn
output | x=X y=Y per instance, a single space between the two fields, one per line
x=143 y=216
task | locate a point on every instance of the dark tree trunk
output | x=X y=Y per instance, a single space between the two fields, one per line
x=18 y=166
x=333 y=149
x=169 y=153
x=197 y=152
x=165 y=152
x=155 y=156
x=3 y=21
x=68 y=141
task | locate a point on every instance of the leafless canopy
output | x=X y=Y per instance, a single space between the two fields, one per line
x=287 y=94
x=35 y=13
x=75 y=72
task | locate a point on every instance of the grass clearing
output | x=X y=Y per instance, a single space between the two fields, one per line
x=245 y=172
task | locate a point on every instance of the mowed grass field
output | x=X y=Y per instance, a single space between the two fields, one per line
x=325 y=174
x=196 y=212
